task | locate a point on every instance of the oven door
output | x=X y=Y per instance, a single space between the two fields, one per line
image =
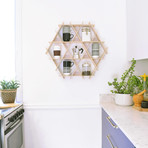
x=14 y=135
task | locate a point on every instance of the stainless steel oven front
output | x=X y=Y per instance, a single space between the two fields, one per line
x=12 y=129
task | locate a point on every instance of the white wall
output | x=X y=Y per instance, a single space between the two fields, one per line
x=141 y=67
x=42 y=84
x=55 y=128
x=137 y=22
x=7 y=38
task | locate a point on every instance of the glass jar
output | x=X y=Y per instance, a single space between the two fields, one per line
x=95 y=50
x=86 y=34
x=146 y=93
x=86 y=69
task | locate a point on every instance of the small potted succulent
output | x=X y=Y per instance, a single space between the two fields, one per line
x=129 y=85
x=8 y=90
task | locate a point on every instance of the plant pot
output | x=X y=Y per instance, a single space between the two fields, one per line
x=137 y=100
x=8 y=95
x=123 y=99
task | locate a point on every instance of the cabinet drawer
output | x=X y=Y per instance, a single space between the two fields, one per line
x=111 y=133
x=108 y=121
x=108 y=139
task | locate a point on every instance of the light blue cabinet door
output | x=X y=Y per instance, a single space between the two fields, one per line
x=113 y=137
x=106 y=143
x=107 y=138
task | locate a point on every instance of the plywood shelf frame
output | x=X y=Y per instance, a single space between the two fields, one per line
x=80 y=40
x=54 y=39
x=67 y=51
x=85 y=45
x=85 y=48
x=77 y=25
x=76 y=32
x=89 y=55
x=58 y=68
x=105 y=49
x=76 y=42
x=76 y=35
x=77 y=66
x=99 y=62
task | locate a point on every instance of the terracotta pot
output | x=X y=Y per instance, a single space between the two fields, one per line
x=137 y=100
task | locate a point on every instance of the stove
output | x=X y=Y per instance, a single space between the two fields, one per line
x=12 y=127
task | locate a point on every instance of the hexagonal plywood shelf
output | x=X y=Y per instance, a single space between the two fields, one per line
x=67 y=52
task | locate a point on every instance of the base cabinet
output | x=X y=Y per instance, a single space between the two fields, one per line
x=112 y=136
x=0 y=136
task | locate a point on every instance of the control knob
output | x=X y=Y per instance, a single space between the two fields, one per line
x=22 y=111
x=17 y=114
x=11 y=119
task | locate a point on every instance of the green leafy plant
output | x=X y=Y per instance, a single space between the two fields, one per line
x=130 y=83
x=12 y=84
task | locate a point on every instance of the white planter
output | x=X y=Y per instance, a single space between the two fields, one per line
x=123 y=99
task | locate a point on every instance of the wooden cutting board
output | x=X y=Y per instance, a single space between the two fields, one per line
x=5 y=106
x=141 y=109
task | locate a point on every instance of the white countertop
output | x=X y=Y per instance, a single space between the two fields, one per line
x=133 y=123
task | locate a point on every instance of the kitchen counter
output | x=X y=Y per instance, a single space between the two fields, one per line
x=133 y=123
x=5 y=112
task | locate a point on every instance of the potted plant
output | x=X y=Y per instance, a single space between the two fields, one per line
x=129 y=85
x=8 y=90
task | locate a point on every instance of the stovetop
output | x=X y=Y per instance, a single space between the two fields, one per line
x=5 y=112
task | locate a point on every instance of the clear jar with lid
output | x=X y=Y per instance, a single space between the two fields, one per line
x=95 y=50
x=86 y=34
x=86 y=69
x=146 y=93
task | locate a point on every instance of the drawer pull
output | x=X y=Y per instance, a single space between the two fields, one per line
x=114 y=126
x=108 y=138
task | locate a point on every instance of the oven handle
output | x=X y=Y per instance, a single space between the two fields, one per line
x=14 y=125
